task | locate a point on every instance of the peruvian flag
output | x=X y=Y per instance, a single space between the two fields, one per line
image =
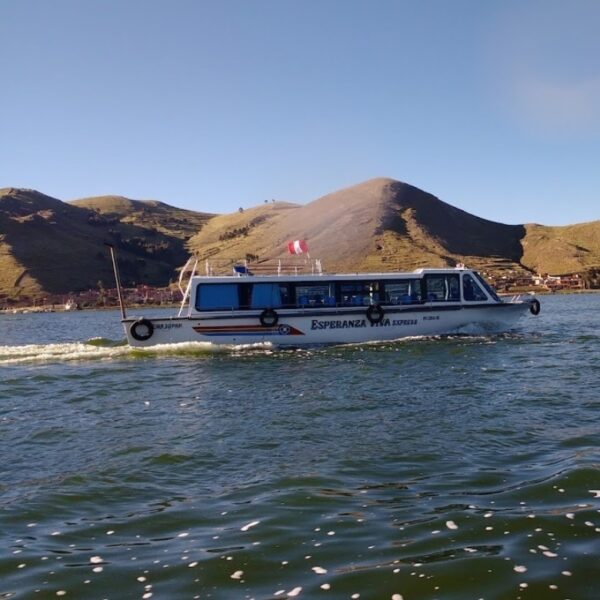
x=298 y=247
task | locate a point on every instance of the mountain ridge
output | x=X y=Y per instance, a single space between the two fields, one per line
x=369 y=218
x=51 y=246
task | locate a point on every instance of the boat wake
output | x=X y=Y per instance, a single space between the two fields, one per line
x=72 y=351
x=104 y=349
x=474 y=337
x=98 y=349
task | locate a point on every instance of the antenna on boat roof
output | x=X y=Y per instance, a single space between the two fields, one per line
x=319 y=266
x=117 y=278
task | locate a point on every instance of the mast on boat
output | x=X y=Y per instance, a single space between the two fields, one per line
x=117 y=278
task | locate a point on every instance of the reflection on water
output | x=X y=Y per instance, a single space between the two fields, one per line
x=455 y=467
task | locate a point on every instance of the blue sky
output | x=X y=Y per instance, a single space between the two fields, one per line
x=492 y=106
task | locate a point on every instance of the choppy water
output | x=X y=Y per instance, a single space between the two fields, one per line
x=452 y=468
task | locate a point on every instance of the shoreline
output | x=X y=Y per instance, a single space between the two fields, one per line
x=58 y=309
x=52 y=309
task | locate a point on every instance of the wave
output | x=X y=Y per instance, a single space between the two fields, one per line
x=105 y=349
x=99 y=348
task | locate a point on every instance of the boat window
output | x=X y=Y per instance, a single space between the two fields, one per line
x=471 y=290
x=358 y=293
x=217 y=296
x=269 y=295
x=488 y=288
x=314 y=294
x=406 y=291
x=442 y=288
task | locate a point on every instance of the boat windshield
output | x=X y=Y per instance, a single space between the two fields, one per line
x=488 y=288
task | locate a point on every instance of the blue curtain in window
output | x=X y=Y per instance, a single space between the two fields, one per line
x=218 y=296
x=265 y=295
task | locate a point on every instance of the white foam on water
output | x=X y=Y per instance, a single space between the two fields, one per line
x=520 y=568
x=92 y=350
x=394 y=341
x=43 y=353
x=249 y=525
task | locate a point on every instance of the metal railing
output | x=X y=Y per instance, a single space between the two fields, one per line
x=220 y=267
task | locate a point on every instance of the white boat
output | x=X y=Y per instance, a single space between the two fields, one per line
x=317 y=308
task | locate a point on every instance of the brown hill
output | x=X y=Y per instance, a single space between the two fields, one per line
x=384 y=224
x=381 y=224
x=150 y=214
x=562 y=250
x=49 y=246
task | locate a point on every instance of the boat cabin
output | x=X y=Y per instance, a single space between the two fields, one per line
x=423 y=286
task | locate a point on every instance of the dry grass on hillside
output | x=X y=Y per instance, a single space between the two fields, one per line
x=149 y=214
x=50 y=246
x=380 y=225
x=562 y=250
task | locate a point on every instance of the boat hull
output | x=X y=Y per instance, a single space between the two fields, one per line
x=333 y=326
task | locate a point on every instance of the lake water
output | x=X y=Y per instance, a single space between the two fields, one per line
x=450 y=468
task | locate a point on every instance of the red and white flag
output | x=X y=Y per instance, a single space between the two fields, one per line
x=298 y=247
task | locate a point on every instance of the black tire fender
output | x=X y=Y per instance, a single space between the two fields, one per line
x=147 y=329
x=268 y=318
x=375 y=314
x=534 y=307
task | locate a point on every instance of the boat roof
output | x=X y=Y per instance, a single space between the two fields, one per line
x=327 y=276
